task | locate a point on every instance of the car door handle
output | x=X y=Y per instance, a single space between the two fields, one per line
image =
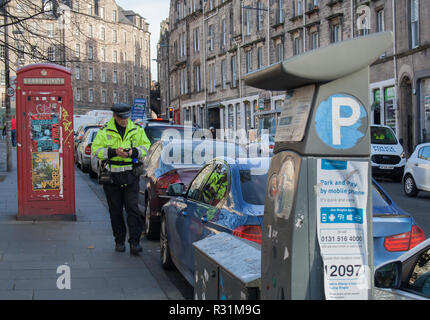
x=204 y=219
x=416 y=164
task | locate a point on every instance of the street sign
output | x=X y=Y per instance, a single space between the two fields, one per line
x=138 y=110
x=10 y=92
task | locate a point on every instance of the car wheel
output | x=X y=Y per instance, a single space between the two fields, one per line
x=151 y=230
x=78 y=165
x=91 y=172
x=166 y=259
x=409 y=186
x=83 y=167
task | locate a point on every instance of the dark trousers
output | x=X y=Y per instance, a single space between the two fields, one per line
x=13 y=133
x=119 y=197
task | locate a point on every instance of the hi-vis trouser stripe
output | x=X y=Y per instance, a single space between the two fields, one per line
x=105 y=152
x=120 y=169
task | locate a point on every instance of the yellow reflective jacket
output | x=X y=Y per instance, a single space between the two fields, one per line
x=108 y=137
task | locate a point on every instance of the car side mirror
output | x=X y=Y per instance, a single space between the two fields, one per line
x=389 y=275
x=176 y=189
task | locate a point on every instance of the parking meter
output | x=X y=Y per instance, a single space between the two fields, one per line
x=317 y=231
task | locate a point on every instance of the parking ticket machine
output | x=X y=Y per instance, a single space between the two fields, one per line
x=46 y=179
x=317 y=233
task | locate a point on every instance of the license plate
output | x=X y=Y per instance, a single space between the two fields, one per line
x=386 y=167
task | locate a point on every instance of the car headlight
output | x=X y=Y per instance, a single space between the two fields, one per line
x=402 y=155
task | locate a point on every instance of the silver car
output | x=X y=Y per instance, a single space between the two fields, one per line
x=406 y=278
x=83 y=151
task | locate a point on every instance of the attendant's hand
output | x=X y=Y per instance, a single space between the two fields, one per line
x=121 y=153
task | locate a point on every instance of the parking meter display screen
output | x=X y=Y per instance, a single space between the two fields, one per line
x=294 y=115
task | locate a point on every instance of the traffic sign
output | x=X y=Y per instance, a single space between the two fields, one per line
x=10 y=92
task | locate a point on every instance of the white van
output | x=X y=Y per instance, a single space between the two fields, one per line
x=387 y=154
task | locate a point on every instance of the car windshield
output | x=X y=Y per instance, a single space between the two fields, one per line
x=253 y=186
x=154 y=133
x=379 y=199
x=383 y=135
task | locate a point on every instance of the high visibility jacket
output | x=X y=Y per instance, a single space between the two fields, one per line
x=109 y=137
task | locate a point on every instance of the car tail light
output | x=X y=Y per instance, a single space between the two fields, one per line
x=417 y=236
x=88 y=150
x=252 y=233
x=164 y=181
x=271 y=146
x=404 y=241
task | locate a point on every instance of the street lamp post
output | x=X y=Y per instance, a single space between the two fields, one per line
x=7 y=85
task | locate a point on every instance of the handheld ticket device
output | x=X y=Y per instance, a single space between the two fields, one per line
x=317 y=233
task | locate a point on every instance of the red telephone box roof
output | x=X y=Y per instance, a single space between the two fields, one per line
x=43 y=66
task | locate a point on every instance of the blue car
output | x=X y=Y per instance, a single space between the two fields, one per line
x=225 y=196
x=238 y=209
x=394 y=231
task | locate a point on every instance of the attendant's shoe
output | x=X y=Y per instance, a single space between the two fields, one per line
x=135 y=249
x=120 y=247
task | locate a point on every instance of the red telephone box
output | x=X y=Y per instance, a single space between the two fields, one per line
x=44 y=114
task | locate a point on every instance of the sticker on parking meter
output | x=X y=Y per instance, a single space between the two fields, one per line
x=341 y=121
x=342 y=192
x=294 y=115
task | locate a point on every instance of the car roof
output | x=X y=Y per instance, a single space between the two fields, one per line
x=381 y=126
x=427 y=144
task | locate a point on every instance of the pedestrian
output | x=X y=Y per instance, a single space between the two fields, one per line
x=213 y=131
x=123 y=145
x=13 y=131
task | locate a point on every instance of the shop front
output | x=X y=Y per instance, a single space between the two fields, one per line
x=425 y=109
x=384 y=106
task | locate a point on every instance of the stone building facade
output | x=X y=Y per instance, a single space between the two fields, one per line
x=212 y=44
x=163 y=68
x=106 y=47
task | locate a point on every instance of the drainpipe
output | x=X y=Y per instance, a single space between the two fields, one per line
x=395 y=62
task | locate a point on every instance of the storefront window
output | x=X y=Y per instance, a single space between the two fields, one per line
x=376 y=107
x=390 y=112
x=248 y=116
x=426 y=103
x=267 y=122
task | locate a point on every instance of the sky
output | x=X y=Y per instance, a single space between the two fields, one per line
x=154 y=11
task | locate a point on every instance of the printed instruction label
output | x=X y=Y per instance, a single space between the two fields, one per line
x=342 y=192
x=294 y=115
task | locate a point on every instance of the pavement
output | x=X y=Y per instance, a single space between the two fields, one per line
x=31 y=252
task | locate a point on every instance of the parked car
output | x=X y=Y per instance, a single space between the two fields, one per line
x=407 y=277
x=187 y=217
x=164 y=165
x=79 y=135
x=225 y=196
x=387 y=154
x=154 y=130
x=417 y=171
x=394 y=230
x=83 y=152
